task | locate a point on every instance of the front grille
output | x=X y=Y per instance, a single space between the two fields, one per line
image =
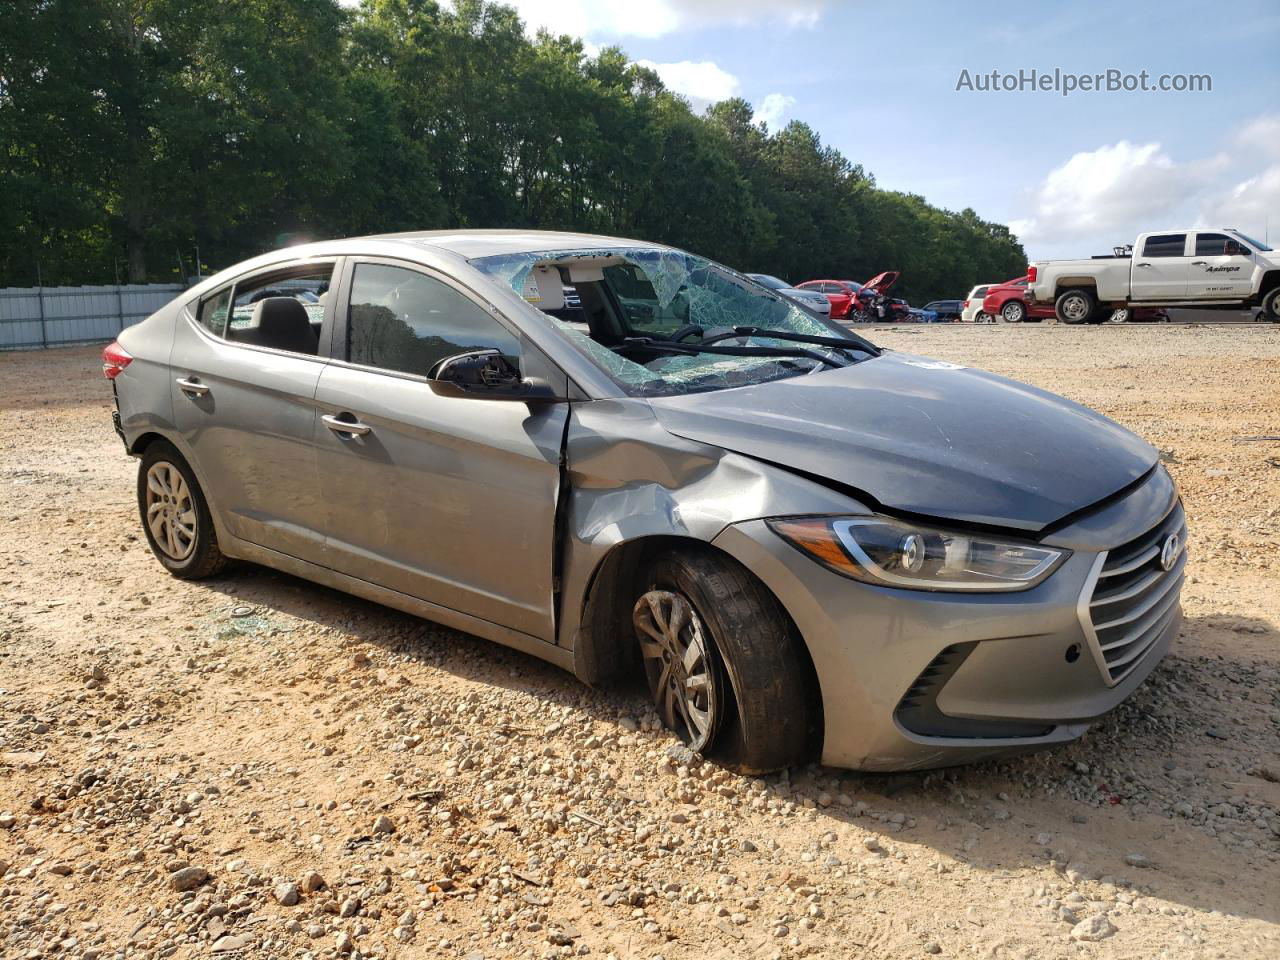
x=1134 y=599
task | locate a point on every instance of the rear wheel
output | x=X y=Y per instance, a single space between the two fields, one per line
x=1013 y=312
x=981 y=317
x=1075 y=306
x=726 y=670
x=175 y=515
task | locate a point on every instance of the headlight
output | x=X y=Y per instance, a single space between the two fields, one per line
x=891 y=553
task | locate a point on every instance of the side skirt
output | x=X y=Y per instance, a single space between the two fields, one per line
x=559 y=656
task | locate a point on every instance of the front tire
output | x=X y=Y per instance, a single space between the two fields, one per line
x=1013 y=312
x=1075 y=306
x=175 y=515
x=726 y=669
x=1120 y=315
x=1271 y=306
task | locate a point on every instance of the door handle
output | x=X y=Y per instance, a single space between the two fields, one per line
x=192 y=387
x=1199 y=263
x=1144 y=264
x=353 y=427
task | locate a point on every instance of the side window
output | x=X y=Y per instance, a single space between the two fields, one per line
x=1165 y=245
x=1217 y=245
x=980 y=292
x=283 y=310
x=213 y=312
x=404 y=320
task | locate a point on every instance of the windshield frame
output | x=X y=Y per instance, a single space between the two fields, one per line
x=1255 y=244
x=511 y=272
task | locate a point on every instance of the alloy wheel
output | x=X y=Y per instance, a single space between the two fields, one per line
x=171 y=511
x=677 y=660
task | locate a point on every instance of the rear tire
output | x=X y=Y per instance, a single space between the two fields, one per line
x=981 y=317
x=749 y=698
x=175 y=515
x=1075 y=306
x=1013 y=312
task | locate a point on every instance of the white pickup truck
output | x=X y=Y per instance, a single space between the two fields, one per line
x=1206 y=269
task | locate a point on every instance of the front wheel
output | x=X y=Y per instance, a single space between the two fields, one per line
x=1075 y=306
x=1271 y=306
x=1120 y=315
x=726 y=669
x=175 y=515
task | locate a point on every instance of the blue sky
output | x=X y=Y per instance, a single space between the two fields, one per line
x=1072 y=175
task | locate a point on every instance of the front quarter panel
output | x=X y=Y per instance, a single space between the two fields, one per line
x=630 y=479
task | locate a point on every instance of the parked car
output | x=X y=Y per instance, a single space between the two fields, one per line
x=1215 y=269
x=1006 y=302
x=839 y=294
x=948 y=310
x=971 y=309
x=873 y=304
x=808 y=547
x=811 y=299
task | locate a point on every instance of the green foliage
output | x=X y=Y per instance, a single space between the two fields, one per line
x=133 y=131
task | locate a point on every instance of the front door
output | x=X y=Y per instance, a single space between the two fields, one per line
x=450 y=500
x=1221 y=269
x=1160 y=268
x=244 y=368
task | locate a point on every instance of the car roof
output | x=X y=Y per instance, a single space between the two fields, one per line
x=471 y=244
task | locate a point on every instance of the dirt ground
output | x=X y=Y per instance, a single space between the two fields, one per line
x=255 y=766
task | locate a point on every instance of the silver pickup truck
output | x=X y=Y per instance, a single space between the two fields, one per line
x=1207 y=269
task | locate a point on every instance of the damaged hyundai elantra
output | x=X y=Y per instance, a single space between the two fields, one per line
x=807 y=546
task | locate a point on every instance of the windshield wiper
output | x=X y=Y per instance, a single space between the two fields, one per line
x=688 y=349
x=838 y=342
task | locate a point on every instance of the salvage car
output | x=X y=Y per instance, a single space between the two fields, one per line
x=806 y=546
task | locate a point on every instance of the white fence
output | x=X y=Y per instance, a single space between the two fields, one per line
x=35 y=317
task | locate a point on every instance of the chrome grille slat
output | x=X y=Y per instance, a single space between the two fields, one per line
x=1151 y=613
x=1133 y=599
x=1166 y=582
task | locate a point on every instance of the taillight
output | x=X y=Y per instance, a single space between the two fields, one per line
x=1031 y=274
x=114 y=359
x=965 y=305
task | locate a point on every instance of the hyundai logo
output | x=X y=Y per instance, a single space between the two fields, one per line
x=1169 y=552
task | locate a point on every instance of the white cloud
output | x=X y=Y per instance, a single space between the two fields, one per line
x=772 y=109
x=657 y=18
x=1253 y=205
x=703 y=81
x=1262 y=135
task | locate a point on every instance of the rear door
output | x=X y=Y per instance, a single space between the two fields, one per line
x=1161 y=267
x=1221 y=268
x=244 y=403
x=450 y=500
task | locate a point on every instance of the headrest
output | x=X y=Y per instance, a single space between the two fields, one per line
x=283 y=323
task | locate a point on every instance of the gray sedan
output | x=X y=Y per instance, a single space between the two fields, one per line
x=815 y=301
x=807 y=546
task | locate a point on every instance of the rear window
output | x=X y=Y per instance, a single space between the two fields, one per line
x=1165 y=245
x=980 y=292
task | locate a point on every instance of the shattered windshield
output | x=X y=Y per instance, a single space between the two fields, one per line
x=639 y=306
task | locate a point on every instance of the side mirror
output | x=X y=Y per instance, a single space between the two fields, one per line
x=488 y=375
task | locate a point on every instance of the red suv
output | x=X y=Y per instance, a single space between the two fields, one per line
x=839 y=292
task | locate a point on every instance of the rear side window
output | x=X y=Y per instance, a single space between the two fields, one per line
x=406 y=321
x=1165 y=245
x=980 y=292
x=213 y=312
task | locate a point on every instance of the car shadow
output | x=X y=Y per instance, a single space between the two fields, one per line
x=1168 y=796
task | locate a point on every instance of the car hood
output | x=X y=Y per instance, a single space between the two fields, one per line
x=924 y=437
x=882 y=281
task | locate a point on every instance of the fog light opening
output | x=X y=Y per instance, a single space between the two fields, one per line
x=1073 y=653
